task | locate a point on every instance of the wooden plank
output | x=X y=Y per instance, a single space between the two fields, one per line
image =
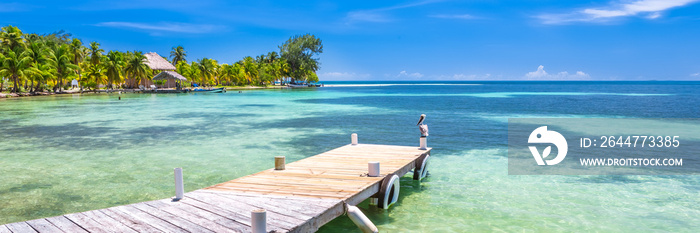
x=322 y=174
x=151 y=220
x=290 y=186
x=274 y=219
x=20 y=227
x=313 y=224
x=323 y=202
x=307 y=210
x=87 y=223
x=308 y=178
x=307 y=183
x=237 y=214
x=42 y=225
x=133 y=223
x=65 y=224
x=3 y=229
x=237 y=217
x=108 y=222
x=171 y=218
x=201 y=217
x=284 y=192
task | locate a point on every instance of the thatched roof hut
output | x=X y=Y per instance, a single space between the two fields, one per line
x=156 y=62
x=165 y=75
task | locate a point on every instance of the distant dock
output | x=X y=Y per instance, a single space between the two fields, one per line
x=297 y=197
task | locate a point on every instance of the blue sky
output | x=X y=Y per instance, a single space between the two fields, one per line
x=402 y=40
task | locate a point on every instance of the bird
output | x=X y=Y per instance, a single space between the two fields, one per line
x=422 y=118
x=423 y=128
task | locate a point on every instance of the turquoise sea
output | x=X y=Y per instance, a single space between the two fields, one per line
x=71 y=153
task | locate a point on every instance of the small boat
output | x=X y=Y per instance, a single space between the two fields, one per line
x=295 y=85
x=215 y=90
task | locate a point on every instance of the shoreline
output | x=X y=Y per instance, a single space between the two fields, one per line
x=73 y=92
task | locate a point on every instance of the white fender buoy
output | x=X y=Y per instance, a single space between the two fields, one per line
x=389 y=191
x=421 y=169
x=360 y=219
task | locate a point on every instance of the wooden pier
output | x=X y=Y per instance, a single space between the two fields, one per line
x=301 y=198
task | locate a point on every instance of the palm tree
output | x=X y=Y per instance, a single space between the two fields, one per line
x=280 y=68
x=95 y=75
x=2 y=78
x=95 y=53
x=250 y=69
x=184 y=69
x=135 y=66
x=76 y=48
x=11 y=38
x=45 y=72
x=194 y=72
x=15 y=66
x=113 y=64
x=39 y=55
x=178 y=54
x=207 y=68
x=238 y=73
x=63 y=64
x=272 y=57
x=226 y=73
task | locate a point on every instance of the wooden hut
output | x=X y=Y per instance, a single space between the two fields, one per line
x=160 y=66
x=170 y=76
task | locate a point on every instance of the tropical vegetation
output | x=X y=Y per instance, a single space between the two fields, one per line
x=39 y=63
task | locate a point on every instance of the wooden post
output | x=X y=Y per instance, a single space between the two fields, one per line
x=353 y=139
x=179 y=185
x=279 y=162
x=373 y=169
x=258 y=221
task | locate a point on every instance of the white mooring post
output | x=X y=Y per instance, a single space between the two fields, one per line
x=373 y=169
x=423 y=143
x=258 y=221
x=179 y=185
x=353 y=139
x=279 y=162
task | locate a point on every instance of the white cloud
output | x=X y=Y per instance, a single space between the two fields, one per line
x=380 y=15
x=342 y=76
x=695 y=74
x=537 y=74
x=462 y=16
x=650 y=9
x=367 y=16
x=164 y=27
x=541 y=74
x=404 y=74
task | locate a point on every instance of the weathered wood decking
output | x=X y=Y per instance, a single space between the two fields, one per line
x=307 y=194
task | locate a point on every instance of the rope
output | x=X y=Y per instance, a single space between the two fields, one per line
x=345 y=208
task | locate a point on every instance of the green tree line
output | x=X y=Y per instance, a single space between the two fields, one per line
x=34 y=63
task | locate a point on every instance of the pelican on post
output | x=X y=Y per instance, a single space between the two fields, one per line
x=422 y=127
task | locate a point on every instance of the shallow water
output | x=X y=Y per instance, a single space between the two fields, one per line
x=63 y=154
